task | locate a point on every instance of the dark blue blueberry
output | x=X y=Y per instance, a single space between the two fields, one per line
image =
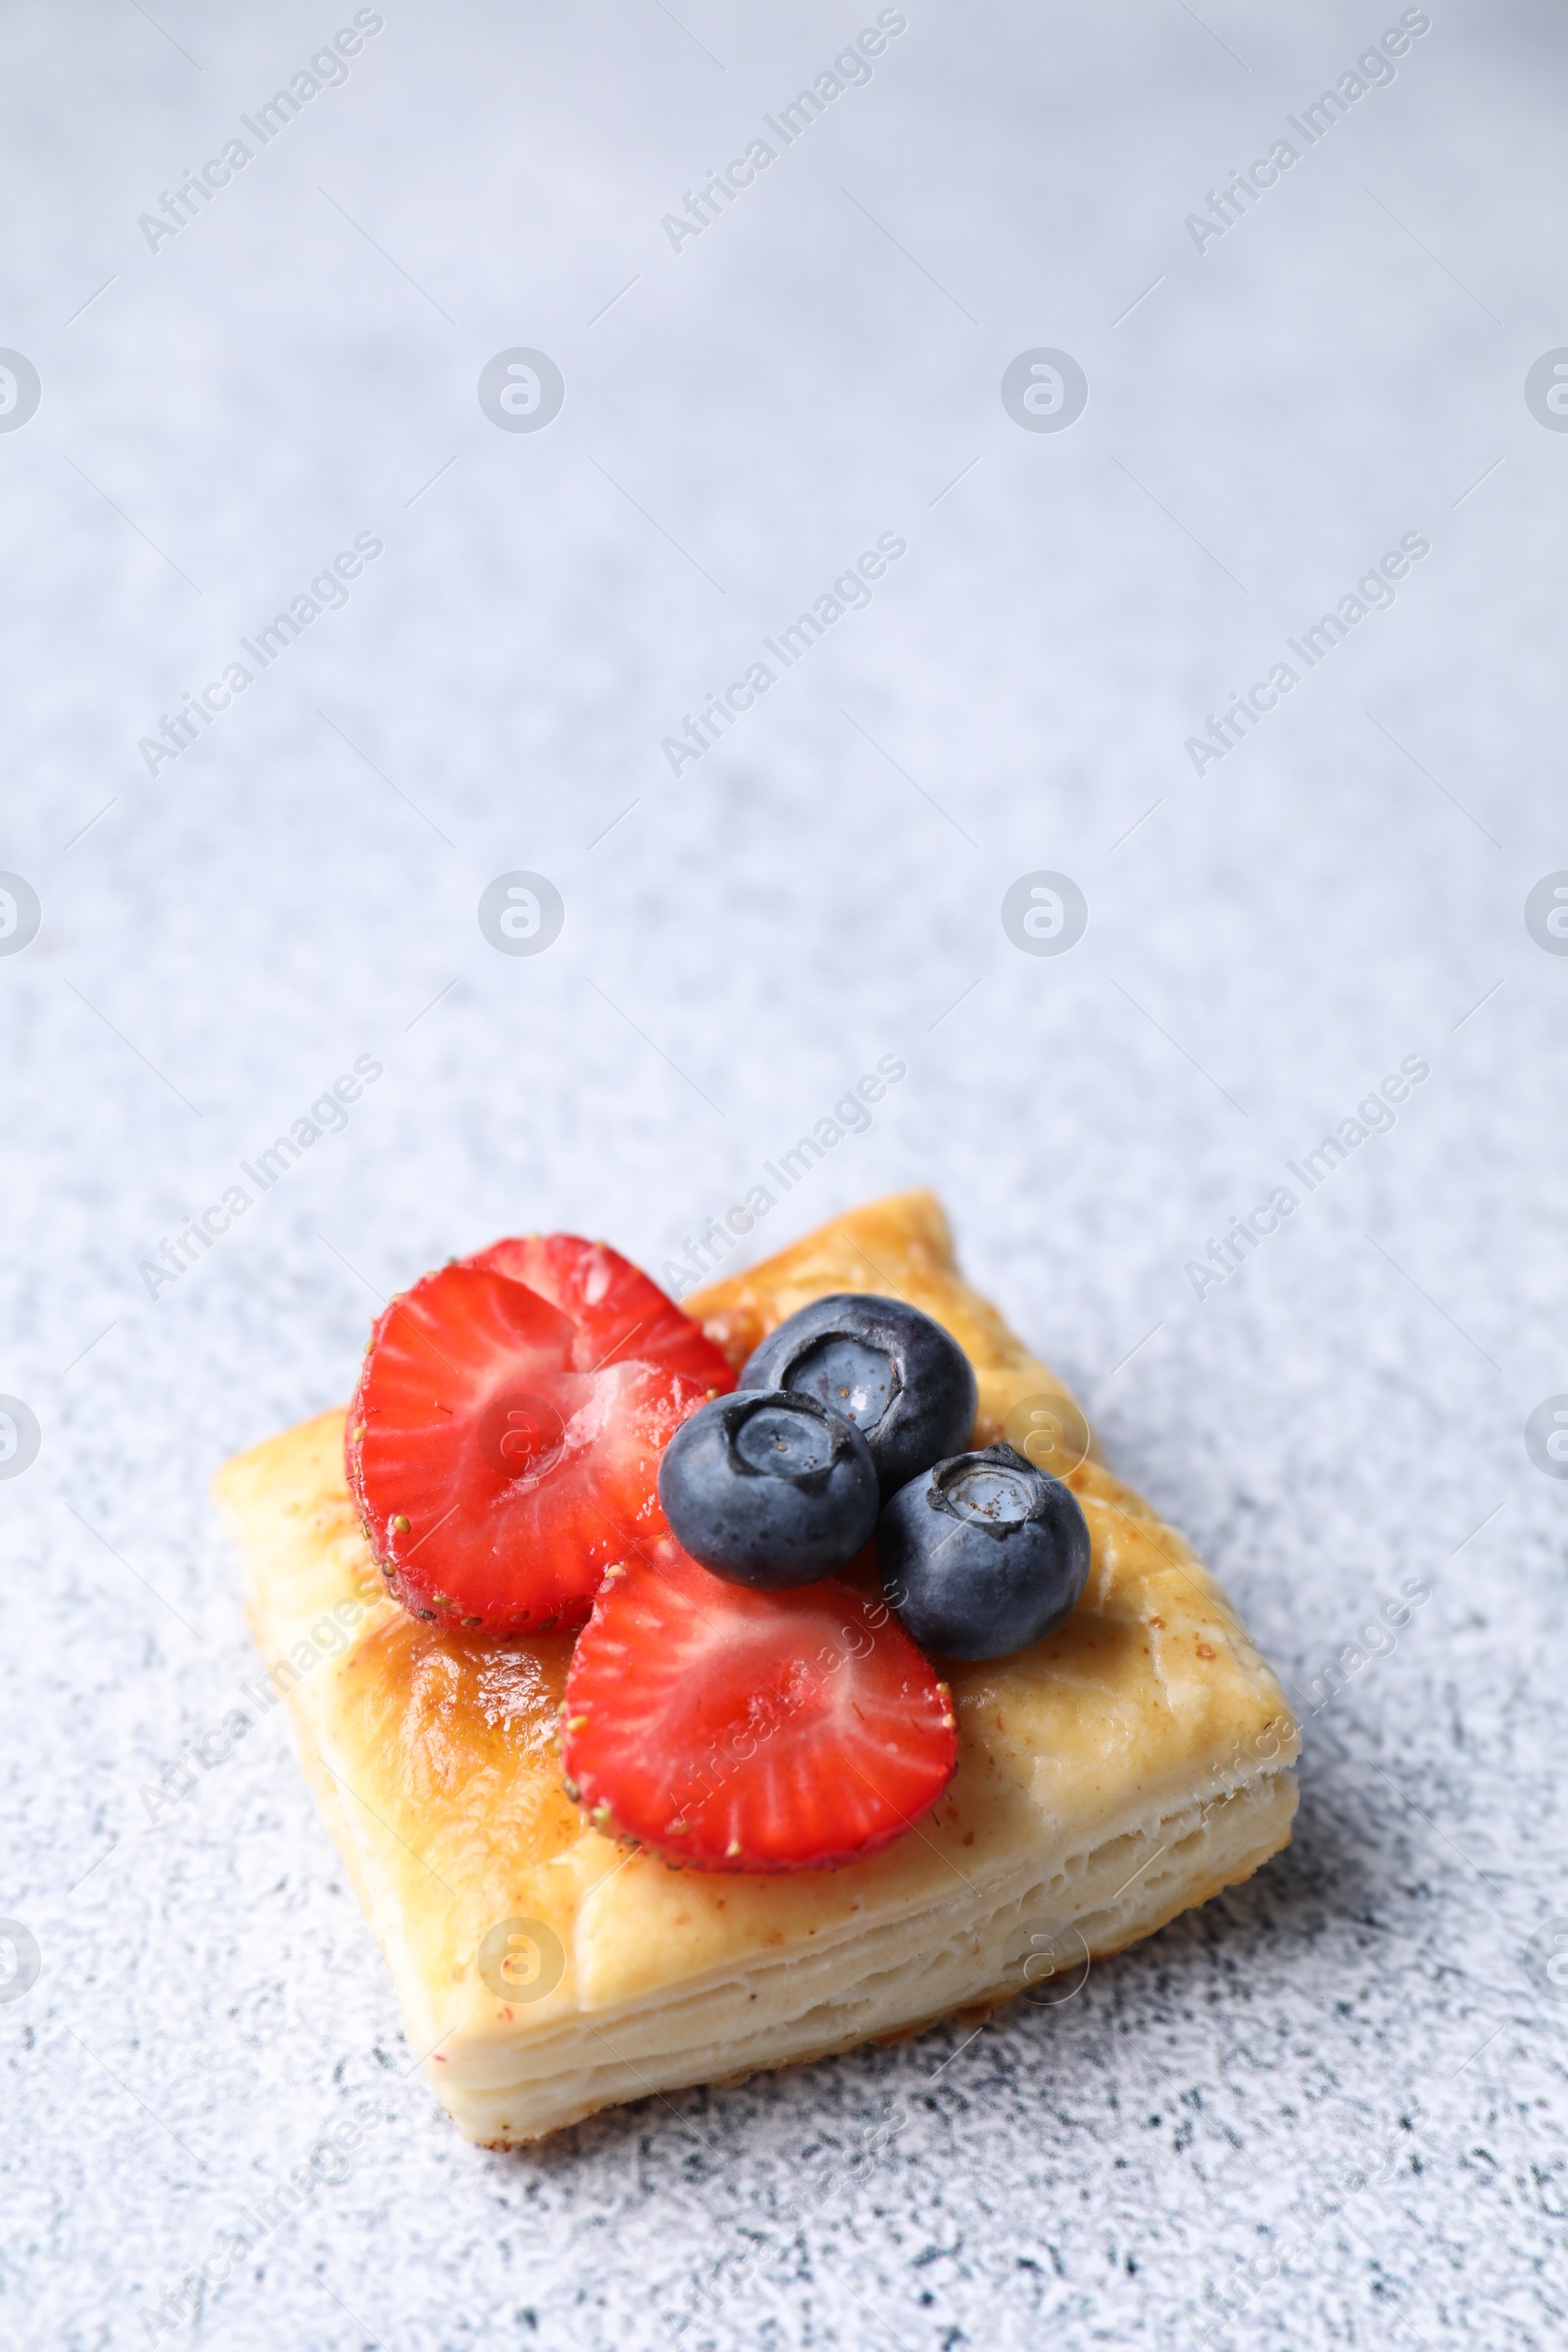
x=983 y=1554
x=770 y=1490
x=907 y=1387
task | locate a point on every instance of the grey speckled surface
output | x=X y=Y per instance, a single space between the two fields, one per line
x=1342 y=2074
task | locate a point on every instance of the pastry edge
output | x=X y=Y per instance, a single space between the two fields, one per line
x=1219 y=1861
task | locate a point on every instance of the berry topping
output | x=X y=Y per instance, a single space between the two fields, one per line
x=907 y=1387
x=983 y=1554
x=770 y=1490
x=502 y=1445
x=740 y=1731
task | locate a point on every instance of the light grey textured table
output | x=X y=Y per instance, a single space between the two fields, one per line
x=1329 y=2108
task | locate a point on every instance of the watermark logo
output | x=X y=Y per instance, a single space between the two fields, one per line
x=20 y=1960
x=19 y=391
x=1051 y=1960
x=522 y=390
x=1373 y=593
x=522 y=1436
x=1546 y=1436
x=852 y=1115
x=20 y=1437
x=1288 y=2242
x=19 y=913
x=1045 y=913
x=329 y=1637
x=850 y=70
x=850 y=592
x=1228 y=1252
x=1049 y=1431
x=521 y=1960
x=325 y=2165
x=1546 y=1959
x=1373 y=70
x=1546 y=914
x=1045 y=390
x=521 y=913
x=1376 y=1638
x=326 y=69
x=327 y=1115
x=328 y=593
x=1545 y=390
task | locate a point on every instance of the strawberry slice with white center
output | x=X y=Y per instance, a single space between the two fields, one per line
x=733 y=1730
x=500 y=1465
x=620 y=1315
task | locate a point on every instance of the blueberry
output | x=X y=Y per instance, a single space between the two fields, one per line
x=983 y=1554
x=769 y=1490
x=907 y=1386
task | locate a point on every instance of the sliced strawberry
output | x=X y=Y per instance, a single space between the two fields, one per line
x=618 y=1311
x=498 y=1465
x=734 y=1730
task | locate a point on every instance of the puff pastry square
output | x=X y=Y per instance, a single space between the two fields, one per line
x=1133 y=1763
